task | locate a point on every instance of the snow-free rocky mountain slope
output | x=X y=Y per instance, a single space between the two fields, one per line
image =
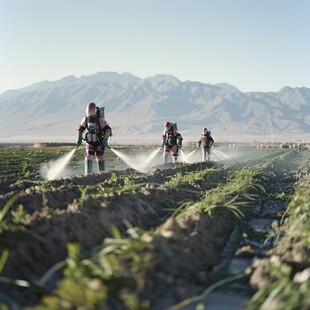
x=137 y=108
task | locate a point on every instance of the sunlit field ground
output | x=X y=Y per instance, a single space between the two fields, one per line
x=144 y=235
x=38 y=161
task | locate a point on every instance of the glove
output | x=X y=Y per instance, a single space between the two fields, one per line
x=105 y=143
x=78 y=141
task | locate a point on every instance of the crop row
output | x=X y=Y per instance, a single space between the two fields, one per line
x=203 y=202
x=285 y=272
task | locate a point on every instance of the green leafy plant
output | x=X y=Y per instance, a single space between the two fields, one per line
x=290 y=280
x=88 y=282
x=3 y=259
x=286 y=292
x=3 y=212
x=240 y=190
x=19 y=216
x=83 y=197
x=190 y=178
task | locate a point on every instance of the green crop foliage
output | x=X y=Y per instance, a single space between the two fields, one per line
x=190 y=178
x=113 y=273
x=286 y=292
x=83 y=191
x=126 y=186
x=78 y=289
x=113 y=178
x=3 y=258
x=282 y=196
x=19 y=216
x=247 y=180
x=299 y=212
x=3 y=212
x=290 y=286
x=102 y=279
x=241 y=188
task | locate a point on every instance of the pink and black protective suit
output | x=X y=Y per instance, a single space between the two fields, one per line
x=97 y=132
x=206 y=141
x=172 y=142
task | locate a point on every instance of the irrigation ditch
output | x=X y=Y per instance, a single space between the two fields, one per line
x=215 y=235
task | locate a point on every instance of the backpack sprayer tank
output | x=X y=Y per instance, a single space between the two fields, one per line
x=172 y=130
x=101 y=112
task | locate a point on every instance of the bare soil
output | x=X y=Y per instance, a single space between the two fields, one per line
x=198 y=249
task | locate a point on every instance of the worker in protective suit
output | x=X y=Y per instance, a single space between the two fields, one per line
x=97 y=133
x=205 y=141
x=171 y=141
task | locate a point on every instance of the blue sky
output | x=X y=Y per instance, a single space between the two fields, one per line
x=255 y=45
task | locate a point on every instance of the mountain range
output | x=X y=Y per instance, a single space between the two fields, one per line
x=137 y=108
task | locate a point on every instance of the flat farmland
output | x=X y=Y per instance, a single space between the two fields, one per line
x=232 y=232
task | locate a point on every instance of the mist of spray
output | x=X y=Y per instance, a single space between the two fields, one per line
x=140 y=163
x=54 y=168
x=186 y=157
x=220 y=154
x=129 y=161
x=152 y=156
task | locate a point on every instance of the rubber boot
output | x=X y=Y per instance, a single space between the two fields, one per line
x=88 y=167
x=165 y=158
x=101 y=165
